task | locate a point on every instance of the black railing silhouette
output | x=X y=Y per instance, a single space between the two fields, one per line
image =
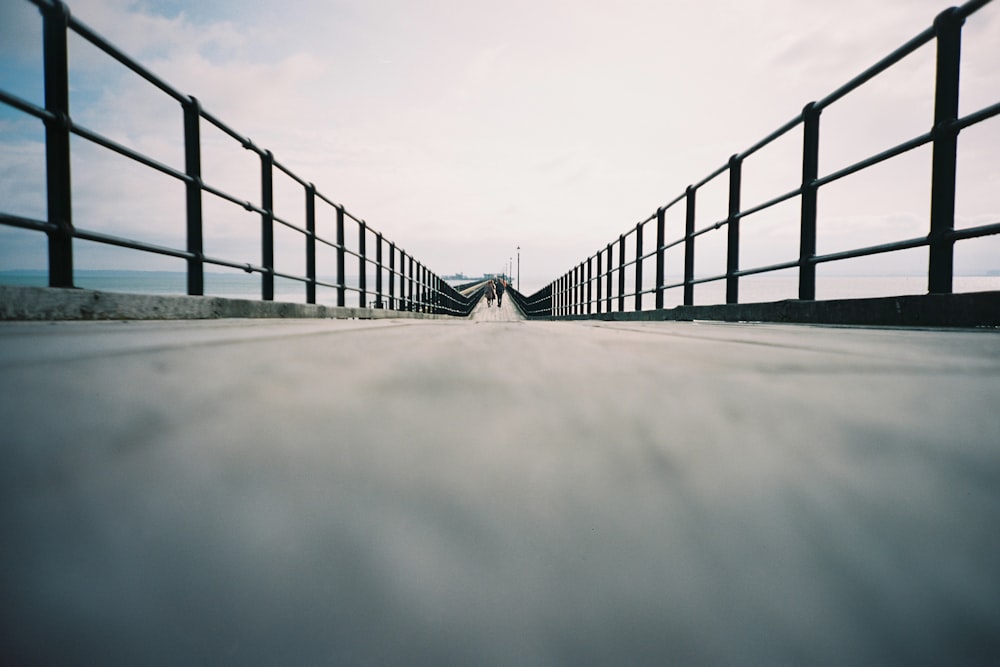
x=410 y=286
x=598 y=283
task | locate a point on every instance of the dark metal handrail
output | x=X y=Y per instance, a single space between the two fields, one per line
x=583 y=291
x=411 y=286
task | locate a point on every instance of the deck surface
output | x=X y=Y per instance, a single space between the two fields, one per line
x=497 y=492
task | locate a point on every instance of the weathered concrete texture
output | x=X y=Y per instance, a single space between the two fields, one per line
x=497 y=493
x=47 y=303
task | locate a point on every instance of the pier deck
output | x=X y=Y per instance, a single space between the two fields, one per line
x=497 y=492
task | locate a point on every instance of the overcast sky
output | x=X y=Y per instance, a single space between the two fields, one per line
x=463 y=129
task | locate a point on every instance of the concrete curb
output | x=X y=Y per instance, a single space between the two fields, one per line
x=51 y=303
x=973 y=309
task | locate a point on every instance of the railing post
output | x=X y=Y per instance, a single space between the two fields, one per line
x=341 y=273
x=608 y=279
x=590 y=285
x=362 y=265
x=414 y=285
x=432 y=292
x=402 y=279
x=561 y=295
x=267 y=225
x=948 y=29
x=392 y=275
x=733 y=224
x=417 y=293
x=567 y=295
x=600 y=278
x=192 y=187
x=578 y=288
x=621 y=273
x=638 y=267
x=810 y=171
x=57 y=144
x=557 y=297
x=378 y=270
x=562 y=298
x=310 y=243
x=571 y=292
x=419 y=277
x=689 y=218
x=661 y=230
x=424 y=282
x=435 y=294
x=421 y=292
x=411 y=305
x=406 y=280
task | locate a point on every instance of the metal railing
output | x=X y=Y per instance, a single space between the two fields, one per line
x=410 y=286
x=598 y=283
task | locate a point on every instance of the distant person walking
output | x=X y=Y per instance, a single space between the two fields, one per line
x=501 y=286
x=491 y=293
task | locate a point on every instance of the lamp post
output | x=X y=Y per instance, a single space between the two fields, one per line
x=518 y=268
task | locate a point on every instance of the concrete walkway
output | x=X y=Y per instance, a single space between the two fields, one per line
x=507 y=311
x=497 y=493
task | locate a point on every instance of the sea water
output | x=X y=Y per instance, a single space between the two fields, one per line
x=759 y=289
x=228 y=285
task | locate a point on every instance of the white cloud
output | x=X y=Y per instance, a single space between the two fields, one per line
x=464 y=129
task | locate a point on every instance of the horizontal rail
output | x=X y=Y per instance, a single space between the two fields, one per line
x=109 y=239
x=770 y=268
x=978 y=116
x=867 y=251
x=94 y=38
x=876 y=69
x=243 y=141
x=26 y=223
x=572 y=294
x=125 y=151
x=27 y=107
x=418 y=288
x=975 y=232
x=887 y=154
x=771 y=138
